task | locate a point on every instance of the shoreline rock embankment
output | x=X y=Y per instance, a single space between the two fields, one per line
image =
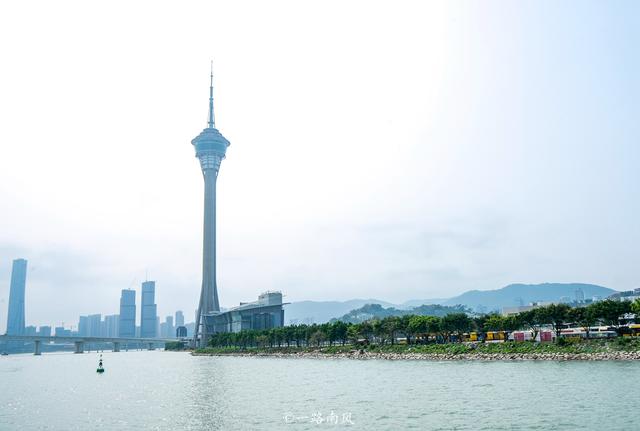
x=366 y=355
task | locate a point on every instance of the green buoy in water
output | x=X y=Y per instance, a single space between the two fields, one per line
x=100 y=369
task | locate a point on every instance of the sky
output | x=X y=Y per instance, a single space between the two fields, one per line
x=389 y=150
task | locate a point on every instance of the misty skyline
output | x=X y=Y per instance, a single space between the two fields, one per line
x=413 y=151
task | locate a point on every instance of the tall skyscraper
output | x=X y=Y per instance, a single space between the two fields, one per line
x=15 y=315
x=179 y=318
x=148 y=311
x=211 y=148
x=127 y=323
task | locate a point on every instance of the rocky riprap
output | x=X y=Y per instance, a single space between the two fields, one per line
x=362 y=354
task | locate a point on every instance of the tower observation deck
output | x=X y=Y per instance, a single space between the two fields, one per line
x=211 y=148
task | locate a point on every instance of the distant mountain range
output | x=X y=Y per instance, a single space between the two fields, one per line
x=516 y=294
x=478 y=300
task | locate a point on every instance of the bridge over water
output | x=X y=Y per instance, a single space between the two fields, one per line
x=80 y=342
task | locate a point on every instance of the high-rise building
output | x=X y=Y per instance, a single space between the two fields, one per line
x=190 y=328
x=181 y=332
x=95 y=324
x=44 y=331
x=127 y=320
x=111 y=325
x=168 y=327
x=148 y=310
x=83 y=326
x=179 y=318
x=30 y=330
x=211 y=148
x=163 y=329
x=15 y=314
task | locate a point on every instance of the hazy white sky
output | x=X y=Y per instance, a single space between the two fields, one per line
x=393 y=150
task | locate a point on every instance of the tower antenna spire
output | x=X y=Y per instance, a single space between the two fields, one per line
x=212 y=118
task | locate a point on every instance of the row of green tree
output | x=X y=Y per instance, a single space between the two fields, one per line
x=417 y=328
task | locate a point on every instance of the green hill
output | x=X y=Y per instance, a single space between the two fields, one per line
x=371 y=311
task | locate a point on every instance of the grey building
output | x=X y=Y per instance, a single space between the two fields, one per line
x=95 y=325
x=179 y=318
x=15 y=315
x=62 y=332
x=92 y=326
x=148 y=310
x=265 y=313
x=111 y=324
x=166 y=327
x=83 y=326
x=163 y=330
x=127 y=319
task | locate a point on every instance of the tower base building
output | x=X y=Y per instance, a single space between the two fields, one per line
x=265 y=313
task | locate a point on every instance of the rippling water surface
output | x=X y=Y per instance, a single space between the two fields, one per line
x=175 y=391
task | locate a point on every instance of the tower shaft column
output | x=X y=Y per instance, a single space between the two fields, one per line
x=209 y=288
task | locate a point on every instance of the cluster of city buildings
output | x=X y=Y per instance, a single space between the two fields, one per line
x=266 y=312
x=627 y=295
x=123 y=325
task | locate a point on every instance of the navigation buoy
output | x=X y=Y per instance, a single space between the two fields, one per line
x=100 y=369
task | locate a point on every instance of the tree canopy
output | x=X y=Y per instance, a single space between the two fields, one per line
x=427 y=328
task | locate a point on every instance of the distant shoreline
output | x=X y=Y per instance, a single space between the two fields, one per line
x=408 y=355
